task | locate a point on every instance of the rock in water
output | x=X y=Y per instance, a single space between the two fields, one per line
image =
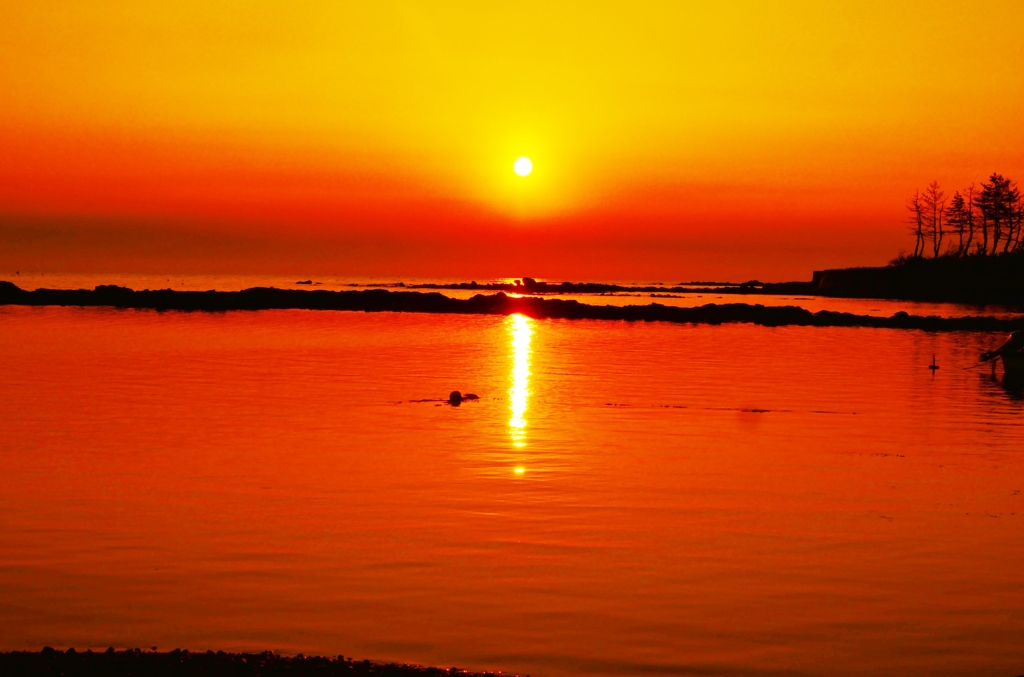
x=455 y=398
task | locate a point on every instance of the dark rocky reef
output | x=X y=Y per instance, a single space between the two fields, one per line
x=134 y=663
x=971 y=279
x=382 y=300
x=528 y=285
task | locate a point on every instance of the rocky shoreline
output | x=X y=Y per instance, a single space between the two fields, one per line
x=382 y=300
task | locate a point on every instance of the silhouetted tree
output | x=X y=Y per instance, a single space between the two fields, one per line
x=1016 y=217
x=992 y=213
x=970 y=219
x=916 y=222
x=933 y=203
x=957 y=219
x=984 y=207
x=1012 y=206
x=997 y=202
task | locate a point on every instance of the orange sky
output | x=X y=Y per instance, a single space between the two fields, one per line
x=670 y=140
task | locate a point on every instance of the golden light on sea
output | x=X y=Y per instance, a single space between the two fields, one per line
x=521 y=331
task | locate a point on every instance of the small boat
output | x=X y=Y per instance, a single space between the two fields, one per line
x=1012 y=353
x=1013 y=363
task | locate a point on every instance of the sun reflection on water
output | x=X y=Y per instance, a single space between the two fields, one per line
x=521 y=331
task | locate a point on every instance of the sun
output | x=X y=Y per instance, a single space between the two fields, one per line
x=522 y=166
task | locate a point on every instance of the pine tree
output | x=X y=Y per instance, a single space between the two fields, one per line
x=934 y=206
x=916 y=221
x=970 y=219
x=996 y=204
x=956 y=218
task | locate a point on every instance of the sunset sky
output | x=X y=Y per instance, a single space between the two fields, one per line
x=670 y=140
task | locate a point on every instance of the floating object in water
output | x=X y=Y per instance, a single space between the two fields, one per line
x=456 y=398
x=933 y=366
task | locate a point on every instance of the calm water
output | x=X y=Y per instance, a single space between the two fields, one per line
x=624 y=498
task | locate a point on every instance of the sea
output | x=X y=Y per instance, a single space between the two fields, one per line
x=621 y=499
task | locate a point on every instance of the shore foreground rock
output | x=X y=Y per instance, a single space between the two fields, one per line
x=178 y=663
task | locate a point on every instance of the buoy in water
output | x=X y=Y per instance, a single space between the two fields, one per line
x=933 y=366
